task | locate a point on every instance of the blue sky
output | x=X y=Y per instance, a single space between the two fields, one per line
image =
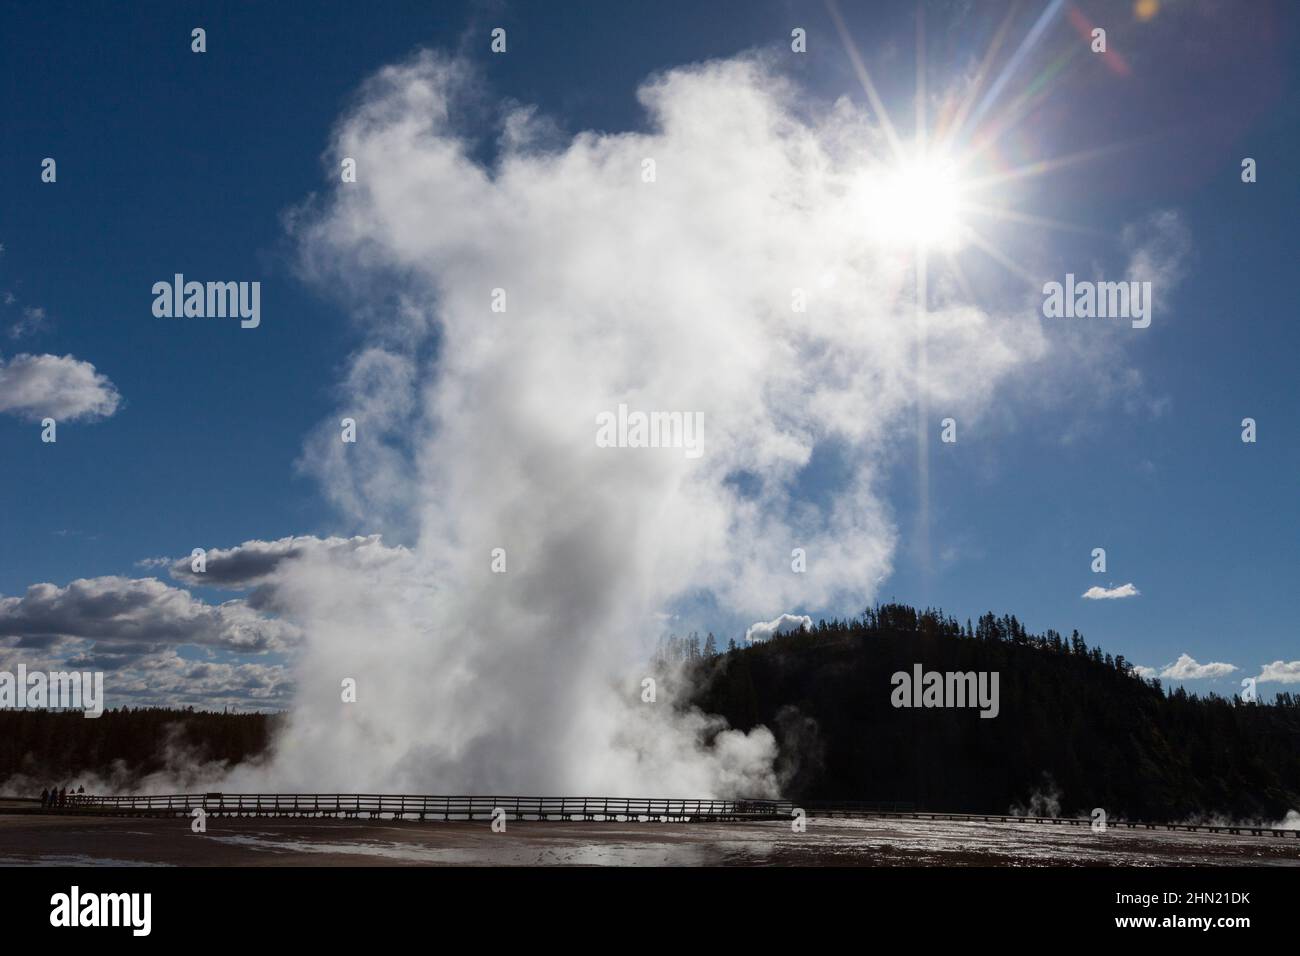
x=169 y=161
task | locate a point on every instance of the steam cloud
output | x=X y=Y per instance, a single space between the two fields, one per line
x=476 y=429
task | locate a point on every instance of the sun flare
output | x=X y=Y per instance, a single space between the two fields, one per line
x=918 y=203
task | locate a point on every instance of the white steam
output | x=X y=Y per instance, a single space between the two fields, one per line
x=476 y=429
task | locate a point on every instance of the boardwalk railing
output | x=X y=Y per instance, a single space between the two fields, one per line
x=597 y=809
x=401 y=806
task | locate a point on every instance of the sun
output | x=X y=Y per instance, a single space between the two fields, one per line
x=917 y=203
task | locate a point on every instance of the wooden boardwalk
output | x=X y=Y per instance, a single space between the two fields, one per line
x=422 y=807
x=374 y=806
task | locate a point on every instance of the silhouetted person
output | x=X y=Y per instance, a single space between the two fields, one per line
x=45 y=798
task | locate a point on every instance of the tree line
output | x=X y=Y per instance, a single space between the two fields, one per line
x=1076 y=724
x=124 y=744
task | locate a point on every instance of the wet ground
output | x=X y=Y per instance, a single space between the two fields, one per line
x=113 y=841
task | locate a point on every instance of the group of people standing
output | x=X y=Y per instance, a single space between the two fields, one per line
x=56 y=797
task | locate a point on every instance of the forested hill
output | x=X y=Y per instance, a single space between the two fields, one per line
x=116 y=749
x=1073 y=724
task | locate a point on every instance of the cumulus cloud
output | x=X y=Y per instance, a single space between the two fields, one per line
x=156 y=644
x=135 y=615
x=132 y=629
x=785 y=624
x=1282 y=672
x=1095 y=593
x=64 y=388
x=167 y=679
x=157 y=675
x=255 y=563
x=1186 y=668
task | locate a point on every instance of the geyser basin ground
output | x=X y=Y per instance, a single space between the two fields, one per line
x=53 y=840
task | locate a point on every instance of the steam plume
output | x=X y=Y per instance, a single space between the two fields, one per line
x=476 y=428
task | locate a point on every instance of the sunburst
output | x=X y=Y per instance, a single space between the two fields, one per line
x=936 y=198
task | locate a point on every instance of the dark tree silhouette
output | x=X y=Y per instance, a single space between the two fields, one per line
x=1104 y=735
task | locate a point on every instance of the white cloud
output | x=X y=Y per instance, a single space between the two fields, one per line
x=1186 y=668
x=166 y=679
x=256 y=563
x=1159 y=248
x=1091 y=363
x=785 y=624
x=1282 y=672
x=64 y=388
x=132 y=616
x=1095 y=593
x=157 y=676
x=30 y=322
x=134 y=629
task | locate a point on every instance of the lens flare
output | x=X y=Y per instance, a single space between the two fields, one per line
x=917 y=204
